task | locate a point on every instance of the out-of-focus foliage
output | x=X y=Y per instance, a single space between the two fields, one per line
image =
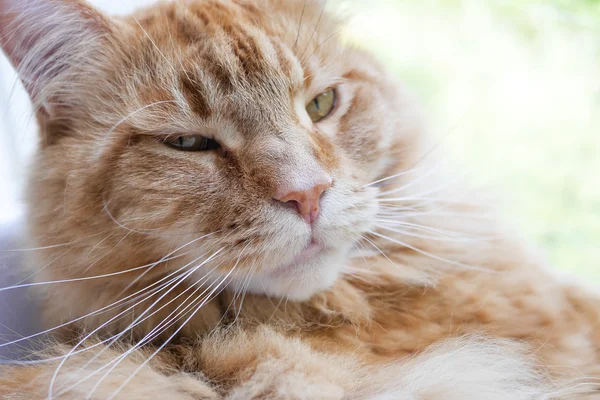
x=512 y=89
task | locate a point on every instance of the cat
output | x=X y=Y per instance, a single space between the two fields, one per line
x=229 y=202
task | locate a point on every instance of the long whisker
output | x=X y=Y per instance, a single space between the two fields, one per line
x=134 y=302
x=424 y=209
x=390 y=177
x=99 y=243
x=43 y=267
x=439 y=238
x=169 y=339
x=175 y=315
x=176 y=281
x=379 y=250
x=174 y=251
x=416 y=226
x=160 y=328
x=105 y=308
x=179 y=279
x=429 y=200
x=154 y=44
x=39 y=248
x=433 y=256
x=275 y=308
x=363 y=252
x=245 y=288
x=314 y=30
x=137 y=300
x=300 y=25
x=415 y=181
x=87 y=278
x=247 y=276
x=131 y=114
x=323 y=42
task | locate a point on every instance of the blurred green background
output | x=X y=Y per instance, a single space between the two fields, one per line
x=512 y=89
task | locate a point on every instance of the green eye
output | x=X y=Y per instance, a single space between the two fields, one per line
x=192 y=143
x=322 y=105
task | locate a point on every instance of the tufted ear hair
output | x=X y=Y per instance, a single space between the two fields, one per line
x=48 y=41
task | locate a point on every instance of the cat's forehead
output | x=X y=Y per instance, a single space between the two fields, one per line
x=235 y=50
x=230 y=62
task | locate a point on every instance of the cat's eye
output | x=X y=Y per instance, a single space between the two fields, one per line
x=192 y=143
x=322 y=105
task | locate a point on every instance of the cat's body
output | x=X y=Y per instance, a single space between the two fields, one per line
x=390 y=285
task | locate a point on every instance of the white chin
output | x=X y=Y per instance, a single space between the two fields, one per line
x=301 y=281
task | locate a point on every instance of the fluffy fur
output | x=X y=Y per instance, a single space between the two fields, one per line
x=174 y=274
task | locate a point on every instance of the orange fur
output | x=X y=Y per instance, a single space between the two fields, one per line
x=444 y=304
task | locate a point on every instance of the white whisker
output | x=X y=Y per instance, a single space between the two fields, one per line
x=169 y=339
x=390 y=177
x=174 y=251
x=440 y=238
x=433 y=256
x=416 y=226
x=379 y=250
x=154 y=44
x=112 y=305
x=39 y=248
x=87 y=278
x=170 y=320
x=175 y=282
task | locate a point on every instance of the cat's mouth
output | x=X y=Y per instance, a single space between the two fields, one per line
x=313 y=250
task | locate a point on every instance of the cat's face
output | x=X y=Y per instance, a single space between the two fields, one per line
x=227 y=131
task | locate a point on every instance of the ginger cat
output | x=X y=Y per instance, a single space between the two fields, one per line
x=228 y=202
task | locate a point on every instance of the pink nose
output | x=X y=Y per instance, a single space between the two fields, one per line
x=306 y=201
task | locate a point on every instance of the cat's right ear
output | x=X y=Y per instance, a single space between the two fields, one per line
x=45 y=39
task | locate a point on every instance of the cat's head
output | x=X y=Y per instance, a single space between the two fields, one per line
x=233 y=141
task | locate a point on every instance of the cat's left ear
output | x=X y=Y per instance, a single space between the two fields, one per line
x=47 y=41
